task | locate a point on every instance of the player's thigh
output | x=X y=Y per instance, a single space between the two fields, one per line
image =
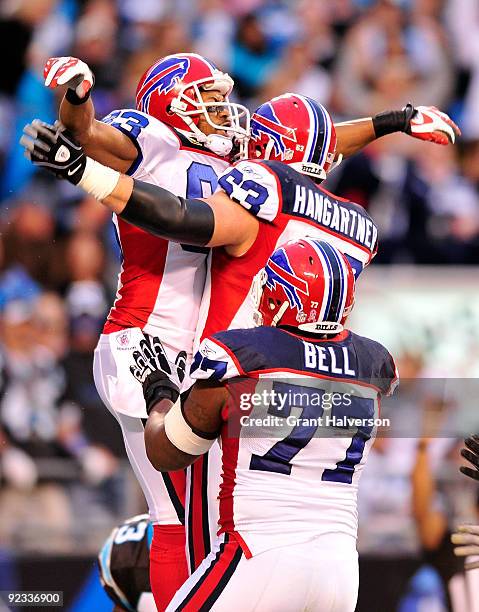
x=112 y=362
x=226 y=580
x=117 y=387
x=335 y=581
x=164 y=492
x=472 y=586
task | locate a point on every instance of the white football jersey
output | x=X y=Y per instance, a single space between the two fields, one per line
x=298 y=426
x=160 y=282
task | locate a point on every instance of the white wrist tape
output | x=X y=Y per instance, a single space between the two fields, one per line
x=180 y=434
x=98 y=180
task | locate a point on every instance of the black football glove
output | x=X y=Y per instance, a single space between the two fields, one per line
x=159 y=377
x=53 y=147
x=471 y=453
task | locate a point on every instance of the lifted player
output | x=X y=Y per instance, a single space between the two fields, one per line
x=179 y=137
x=288 y=500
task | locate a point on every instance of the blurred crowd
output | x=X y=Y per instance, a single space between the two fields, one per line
x=58 y=255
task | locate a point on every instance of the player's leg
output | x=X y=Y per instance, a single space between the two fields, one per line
x=226 y=580
x=168 y=567
x=335 y=579
x=165 y=496
x=202 y=506
x=309 y=575
x=164 y=492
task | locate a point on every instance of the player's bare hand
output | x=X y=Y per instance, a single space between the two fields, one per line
x=69 y=71
x=466 y=541
x=431 y=124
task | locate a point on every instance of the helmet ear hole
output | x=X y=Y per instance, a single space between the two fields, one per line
x=311 y=261
x=271 y=304
x=278 y=302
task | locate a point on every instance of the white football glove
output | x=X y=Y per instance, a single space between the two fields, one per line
x=466 y=540
x=429 y=123
x=68 y=71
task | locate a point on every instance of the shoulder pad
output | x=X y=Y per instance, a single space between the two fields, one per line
x=213 y=361
x=255 y=186
x=230 y=354
x=129 y=121
x=343 y=223
x=379 y=363
x=152 y=138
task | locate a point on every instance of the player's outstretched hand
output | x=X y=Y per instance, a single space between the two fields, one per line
x=53 y=147
x=159 y=377
x=466 y=540
x=471 y=454
x=69 y=71
x=429 y=123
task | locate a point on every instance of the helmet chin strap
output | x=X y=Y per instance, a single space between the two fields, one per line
x=268 y=149
x=217 y=143
x=279 y=315
x=221 y=145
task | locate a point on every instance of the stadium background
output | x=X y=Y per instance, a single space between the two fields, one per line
x=64 y=481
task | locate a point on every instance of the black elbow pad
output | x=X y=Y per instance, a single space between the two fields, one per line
x=163 y=214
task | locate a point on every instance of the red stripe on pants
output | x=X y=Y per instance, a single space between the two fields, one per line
x=213 y=577
x=197 y=492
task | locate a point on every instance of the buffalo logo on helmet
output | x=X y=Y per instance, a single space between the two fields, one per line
x=279 y=271
x=162 y=78
x=268 y=123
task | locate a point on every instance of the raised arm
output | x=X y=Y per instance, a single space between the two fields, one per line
x=100 y=141
x=431 y=524
x=354 y=136
x=423 y=122
x=215 y=221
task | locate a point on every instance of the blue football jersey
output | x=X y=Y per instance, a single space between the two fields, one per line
x=272 y=190
x=290 y=206
x=298 y=425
